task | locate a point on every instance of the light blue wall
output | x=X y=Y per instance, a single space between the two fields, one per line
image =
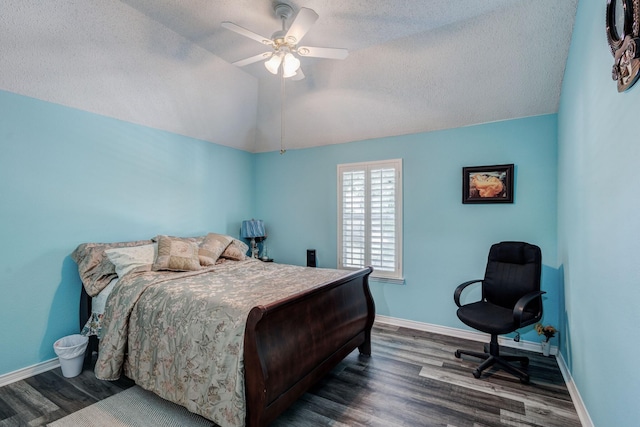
x=68 y=177
x=445 y=242
x=599 y=225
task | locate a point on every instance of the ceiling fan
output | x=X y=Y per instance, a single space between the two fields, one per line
x=284 y=43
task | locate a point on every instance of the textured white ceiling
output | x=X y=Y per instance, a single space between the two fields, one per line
x=414 y=65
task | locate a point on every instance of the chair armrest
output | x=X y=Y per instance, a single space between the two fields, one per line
x=522 y=303
x=460 y=288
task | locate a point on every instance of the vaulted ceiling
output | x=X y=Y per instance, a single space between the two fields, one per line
x=413 y=65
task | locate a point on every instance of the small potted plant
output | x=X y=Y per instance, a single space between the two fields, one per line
x=548 y=332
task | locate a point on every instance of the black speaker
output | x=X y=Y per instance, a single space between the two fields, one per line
x=311 y=258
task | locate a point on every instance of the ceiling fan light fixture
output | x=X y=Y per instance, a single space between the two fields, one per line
x=273 y=64
x=284 y=56
x=290 y=65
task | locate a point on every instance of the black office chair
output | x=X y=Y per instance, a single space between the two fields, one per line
x=511 y=299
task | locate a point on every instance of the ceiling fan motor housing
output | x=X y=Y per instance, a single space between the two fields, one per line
x=284 y=12
x=278 y=38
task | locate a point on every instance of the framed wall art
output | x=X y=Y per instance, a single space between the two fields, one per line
x=487 y=184
x=623 y=35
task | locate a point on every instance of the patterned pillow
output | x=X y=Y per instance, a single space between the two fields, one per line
x=212 y=247
x=237 y=251
x=176 y=254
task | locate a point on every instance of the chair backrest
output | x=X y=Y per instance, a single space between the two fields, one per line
x=513 y=270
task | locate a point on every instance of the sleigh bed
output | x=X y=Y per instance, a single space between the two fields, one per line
x=297 y=323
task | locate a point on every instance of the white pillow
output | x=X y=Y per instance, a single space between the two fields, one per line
x=127 y=259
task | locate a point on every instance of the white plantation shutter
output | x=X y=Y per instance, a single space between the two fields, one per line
x=353 y=219
x=383 y=222
x=370 y=217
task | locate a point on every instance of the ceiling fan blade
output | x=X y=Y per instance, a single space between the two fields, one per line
x=301 y=24
x=323 y=52
x=299 y=75
x=247 y=33
x=251 y=60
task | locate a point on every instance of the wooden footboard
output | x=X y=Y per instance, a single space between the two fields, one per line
x=290 y=344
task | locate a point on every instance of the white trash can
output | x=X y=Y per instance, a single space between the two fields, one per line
x=70 y=351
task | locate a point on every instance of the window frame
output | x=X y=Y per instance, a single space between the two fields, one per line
x=395 y=276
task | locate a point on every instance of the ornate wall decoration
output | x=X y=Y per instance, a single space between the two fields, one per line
x=623 y=28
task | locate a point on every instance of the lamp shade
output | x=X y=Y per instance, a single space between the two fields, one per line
x=252 y=228
x=273 y=64
x=290 y=65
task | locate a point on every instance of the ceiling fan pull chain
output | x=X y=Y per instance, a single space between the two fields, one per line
x=282 y=92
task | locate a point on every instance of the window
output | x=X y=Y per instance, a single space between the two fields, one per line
x=370 y=217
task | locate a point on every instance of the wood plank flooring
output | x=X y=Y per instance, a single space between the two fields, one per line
x=412 y=379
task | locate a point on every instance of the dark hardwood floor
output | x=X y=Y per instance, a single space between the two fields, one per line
x=412 y=379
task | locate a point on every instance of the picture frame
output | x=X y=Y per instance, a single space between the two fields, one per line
x=623 y=35
x=487 y=184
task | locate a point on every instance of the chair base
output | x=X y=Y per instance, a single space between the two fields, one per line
x=493 y=357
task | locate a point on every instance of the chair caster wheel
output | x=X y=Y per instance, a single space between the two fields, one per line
x=457 y=354
x=476 y=373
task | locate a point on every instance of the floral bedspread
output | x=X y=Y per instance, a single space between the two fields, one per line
x=181 y=335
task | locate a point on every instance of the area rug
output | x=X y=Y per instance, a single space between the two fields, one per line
x=133 y=407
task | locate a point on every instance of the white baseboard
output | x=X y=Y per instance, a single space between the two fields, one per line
x=29 y=371
x=581 y=409
x=584 y=416
x=465 y=334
